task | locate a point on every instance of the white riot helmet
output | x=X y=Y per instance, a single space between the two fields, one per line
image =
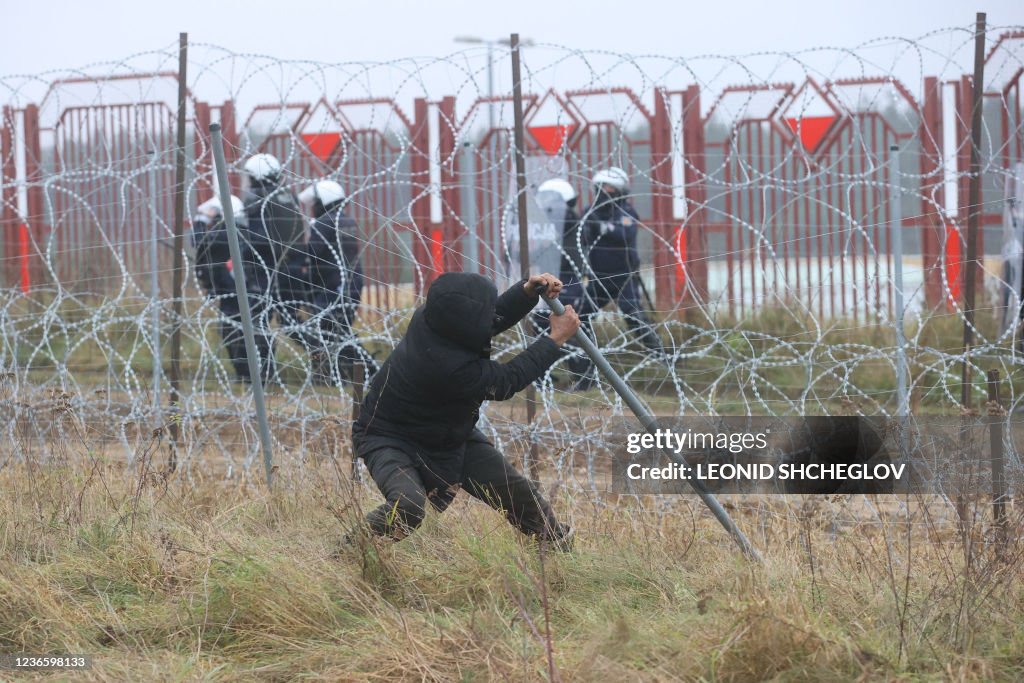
x=263 y=167
x=327 y=191
x=612 y=176
x=212 y=211
x=560 y=186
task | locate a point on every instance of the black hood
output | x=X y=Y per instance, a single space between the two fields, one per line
x=460 y=307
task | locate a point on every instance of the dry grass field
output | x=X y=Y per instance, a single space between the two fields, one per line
x=204 y=575
x=161 y=579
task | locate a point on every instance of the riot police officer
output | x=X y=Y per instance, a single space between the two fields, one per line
x=276 y=273
x=608 y=232
x=335 y=283
x=213 y=270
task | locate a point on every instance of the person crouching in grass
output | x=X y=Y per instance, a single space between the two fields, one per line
x=416 y=430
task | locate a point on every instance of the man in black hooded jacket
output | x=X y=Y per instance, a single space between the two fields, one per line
x=417 y=431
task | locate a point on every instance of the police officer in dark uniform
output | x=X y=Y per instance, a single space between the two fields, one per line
x=209 y=237
x=277 y=272
x=335 y=284
x=608 y=233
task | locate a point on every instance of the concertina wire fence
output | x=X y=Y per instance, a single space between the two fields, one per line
x=764 y=185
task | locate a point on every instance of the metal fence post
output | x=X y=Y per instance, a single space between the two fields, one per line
x=224 y=188
x=449 y=189
x=178 y=286
x=419 y=210
x=38 y=222
x=662 y=190
x=358 y=380
x=694 y=151
x=9 y=219
x=997 y=418
x=154 y=287
x=896 y=230
x=471 y=257
x=930 y=166
x=974 y=207
x=524 y=231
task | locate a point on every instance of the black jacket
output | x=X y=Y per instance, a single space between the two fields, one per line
x=334 y=236
x=572 y=268
x=274 y=218
x=609 y=235
x=428 y=392
x=210 y=239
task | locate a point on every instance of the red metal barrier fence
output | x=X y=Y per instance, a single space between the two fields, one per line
x=776 y=193
x=10 y=224
x=800 y=210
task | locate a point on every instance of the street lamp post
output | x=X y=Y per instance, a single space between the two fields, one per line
x=476 y=40
x=490 y=85
x=468 y=165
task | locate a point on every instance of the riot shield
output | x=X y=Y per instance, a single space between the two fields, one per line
x=1013 y=245
x=545 y=215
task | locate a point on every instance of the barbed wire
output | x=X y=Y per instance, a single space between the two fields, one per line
x=762 y=185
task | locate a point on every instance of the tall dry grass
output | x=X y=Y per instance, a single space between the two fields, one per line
x=159 y=578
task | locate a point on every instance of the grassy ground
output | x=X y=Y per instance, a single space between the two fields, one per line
x=221 y=581
x=159 y=578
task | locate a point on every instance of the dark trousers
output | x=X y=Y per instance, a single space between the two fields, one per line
x=486 y=475
x=276 y=280
x=624 y=290
x=330 y=337
x=219 y=284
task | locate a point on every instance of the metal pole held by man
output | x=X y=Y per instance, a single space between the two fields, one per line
x=217 y=142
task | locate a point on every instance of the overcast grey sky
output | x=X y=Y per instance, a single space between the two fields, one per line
x=39 y=36
x=698 y=38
